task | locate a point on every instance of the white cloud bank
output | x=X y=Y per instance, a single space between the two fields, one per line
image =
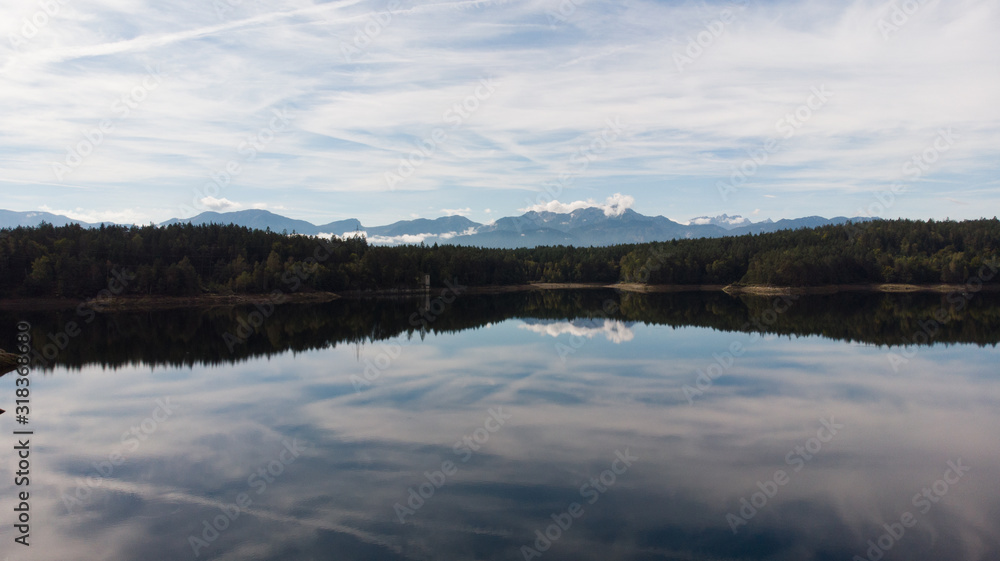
x=124 y=216
x=405 y=239
x=219 y=205
x=613 y=330
x=352 y=121
x=724 y=220
x=615 y=205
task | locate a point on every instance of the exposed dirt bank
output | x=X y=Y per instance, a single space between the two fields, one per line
x=141 y=303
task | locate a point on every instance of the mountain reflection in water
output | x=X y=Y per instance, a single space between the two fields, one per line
x=510 y=417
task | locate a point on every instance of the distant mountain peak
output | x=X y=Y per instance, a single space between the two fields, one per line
x=723 y=221
x=589 y=226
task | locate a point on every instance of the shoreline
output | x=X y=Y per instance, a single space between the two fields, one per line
x=150 y=303
x=134 y=303
x=895 y=288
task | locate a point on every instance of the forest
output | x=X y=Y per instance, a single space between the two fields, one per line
x=187 y=260
x=197 y=335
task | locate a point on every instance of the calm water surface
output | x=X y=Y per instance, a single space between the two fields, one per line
x=519 y=427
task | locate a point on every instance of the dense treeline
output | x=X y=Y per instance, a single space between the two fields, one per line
x=75 y=262
x=184 y=337
x=896 y=251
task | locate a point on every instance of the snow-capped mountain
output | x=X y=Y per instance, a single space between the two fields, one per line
x=591 y=226
x=722 y=221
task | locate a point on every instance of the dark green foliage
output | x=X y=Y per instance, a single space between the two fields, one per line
x=884 y=251
x=183 y=337
x=75 y=262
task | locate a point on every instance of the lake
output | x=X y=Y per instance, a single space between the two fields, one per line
x=536 y=425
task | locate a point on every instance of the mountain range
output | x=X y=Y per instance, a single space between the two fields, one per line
x=582 y=227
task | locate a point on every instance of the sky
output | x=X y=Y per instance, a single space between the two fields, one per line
x=136 y=111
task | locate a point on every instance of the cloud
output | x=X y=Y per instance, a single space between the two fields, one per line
x=615 y=205
x=467 y=232
x=221 y=205
x=355 y=120
x=456 y=211
x=124 y=216
x=411 y=238
x=723 y=220
x=613 y=330
x=392 y=240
